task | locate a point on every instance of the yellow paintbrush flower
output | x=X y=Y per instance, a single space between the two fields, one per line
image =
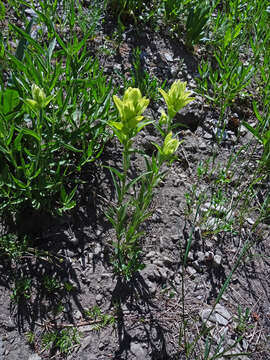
x=130 y=110
x=39 y=99
x=177 y=97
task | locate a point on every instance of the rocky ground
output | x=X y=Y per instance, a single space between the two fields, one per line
x=143 y=319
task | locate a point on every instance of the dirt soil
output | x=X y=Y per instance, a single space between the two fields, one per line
x=148 y=312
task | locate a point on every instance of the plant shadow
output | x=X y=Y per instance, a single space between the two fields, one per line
x=133 y=298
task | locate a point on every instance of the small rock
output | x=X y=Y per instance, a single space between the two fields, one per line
x=177 y=182
x=86 y=342
x=242 y=130
x=138 y=351
x=151 y=272
x=174 y=212
x=152 y=287
x=99 y=299
x=77 y=314
x=200 y=256
x=30 y=12
x=101 y=346
x=168 y=57
x=191 y=271
x=158 y=263
x=197 y=266
x=217 y=260
x=223 y=311
x=97 y=249
x=220 y=315
x=207 y=136
x=250 y=221
x=167 y=261
x=174 y=71
x=208 y=245
x=164 y=273
x=205 y=313
x=190 y=256
x=151 y=255
x=163 y=242
x=34 y=357
x=175 y=237
x=202 y=145
x=98 y=232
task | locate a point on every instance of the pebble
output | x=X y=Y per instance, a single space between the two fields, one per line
x=220 y=315
x=151 y=255
x=217 y=260
x=175 y=237
x=99 y=299
x=151 y=272
x=168 y=57
x=207 y=136
x=200 y=256
x=191 y=271
x=97 y=249
x=30 y=12
x=77 y=314
x=163 y=242
x=250 y=221
x=34 y=357
x=138 y=351
x=167 y=261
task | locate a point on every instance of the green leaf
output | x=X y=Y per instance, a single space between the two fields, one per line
x=31 y=133
x=17 y=141
x=51 y=49
x=72 y=148
x=18 y=182
x=115 y=171
x=137 y=179
x=9 y=99
x=19 y=54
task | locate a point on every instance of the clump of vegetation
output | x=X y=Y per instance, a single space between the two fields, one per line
x=58 y=109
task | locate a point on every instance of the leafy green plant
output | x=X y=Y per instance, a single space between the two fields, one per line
x=262 y=133
x=242 y=320
x=197 y=18
x=50 y=284
x=129 y=213
x=21 y=290
x=147 y=84
x=2 y=11
x=125 y=11
x=12 y=246
x=30 y=336
x=62 y=340
x=52 y=133
x=223 y=85
x=102 y=320
x=174 y=8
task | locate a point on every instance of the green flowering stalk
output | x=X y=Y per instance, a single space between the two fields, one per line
x=130 y=212
x=130 y=110
x=176 y=98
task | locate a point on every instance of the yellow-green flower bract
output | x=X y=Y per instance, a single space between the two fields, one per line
x=130 y=110
x=170 y=145
x=177 y=97
x=39 y=99
x=131 y=107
